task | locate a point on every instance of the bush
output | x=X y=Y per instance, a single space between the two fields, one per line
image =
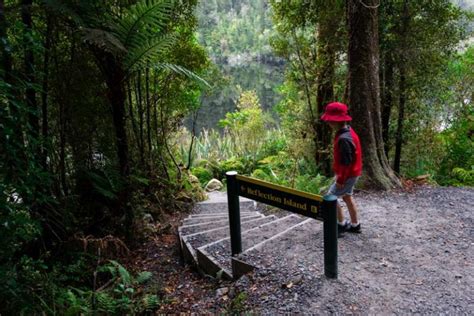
x=232 y=164
x=463 y=177
x=203 y=174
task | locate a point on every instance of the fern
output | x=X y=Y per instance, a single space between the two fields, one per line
x=105 y=303
x=465 y=177
x=151 y=49
x=145 y=16
x=150 y=302
x=143 y=277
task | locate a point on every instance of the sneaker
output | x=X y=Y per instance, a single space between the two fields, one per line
x=353 y=229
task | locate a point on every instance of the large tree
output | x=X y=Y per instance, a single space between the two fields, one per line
x=364 y=91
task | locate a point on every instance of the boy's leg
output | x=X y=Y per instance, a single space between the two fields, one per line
x=352 y=208
x=340 y=214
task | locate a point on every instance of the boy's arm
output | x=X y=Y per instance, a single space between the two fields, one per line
x=346 y=150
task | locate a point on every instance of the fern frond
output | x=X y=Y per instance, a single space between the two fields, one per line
x=182 y=71
x=144 y=15
x=149 y=52
x=150 y=302
x=104 y=40
x=106 y=303
x=144 y=276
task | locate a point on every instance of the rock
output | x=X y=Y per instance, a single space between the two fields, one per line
x=214 y=185
x=183 y=197
x=193 y=179
x=243 y=282
x=231 y=293
x=222 y=291
x=147 y=218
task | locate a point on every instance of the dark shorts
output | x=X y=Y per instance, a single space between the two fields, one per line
x=346 y=190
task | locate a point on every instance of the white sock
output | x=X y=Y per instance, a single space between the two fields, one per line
x=343 y=223
x=355 y=225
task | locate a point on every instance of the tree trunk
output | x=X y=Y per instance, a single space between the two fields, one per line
x=139 y=100
x=326 y=77
x=44 y=92
x=364 y=94
x=387 y=100
x=115 y=78
x=29 y=61
x=116 y=94
x=130 y=112
x=403 y=87
x=401 y=115
x=148 y=118
x=16 y=142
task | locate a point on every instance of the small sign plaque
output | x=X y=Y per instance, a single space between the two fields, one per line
x=299 y=202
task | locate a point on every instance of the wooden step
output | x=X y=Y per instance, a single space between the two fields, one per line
x=284 y=249
x=201 y=220
x=209 y=208
x=193 y=241
x=195 y=228
x=216 y=256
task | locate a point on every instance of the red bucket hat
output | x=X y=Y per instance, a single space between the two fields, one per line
x=336 y=112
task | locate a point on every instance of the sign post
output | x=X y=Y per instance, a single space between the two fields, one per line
x=329 y=207
x=303 y=203
x=234 y=212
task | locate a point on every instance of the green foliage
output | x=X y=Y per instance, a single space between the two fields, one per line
x=232 y=164
x=235 y=27
x=246 y=125
x=121 y=297
x=463 y=176
x=59 y=174
x=459 y=157
x=237 y=304
x=106 y=183
x=203 y=174
x=317 y=184
x=299 y=174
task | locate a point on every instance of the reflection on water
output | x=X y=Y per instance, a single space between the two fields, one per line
x=263 y=77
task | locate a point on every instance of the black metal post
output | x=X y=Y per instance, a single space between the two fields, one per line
x=234 y=212
x=329 y=209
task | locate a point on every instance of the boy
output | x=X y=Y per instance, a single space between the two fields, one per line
x=347 y=164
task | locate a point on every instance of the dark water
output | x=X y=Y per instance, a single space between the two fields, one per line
x=262 y=76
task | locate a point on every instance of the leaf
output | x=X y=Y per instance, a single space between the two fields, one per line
x=143 y=277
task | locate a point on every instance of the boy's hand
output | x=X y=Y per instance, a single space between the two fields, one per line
x=339 y=186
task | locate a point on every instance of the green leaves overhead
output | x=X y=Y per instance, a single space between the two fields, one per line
x=149 y=52
x=143 y=19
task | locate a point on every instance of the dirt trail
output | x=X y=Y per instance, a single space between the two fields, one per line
x=415 y=255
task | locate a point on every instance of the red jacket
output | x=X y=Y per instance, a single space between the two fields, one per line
x=347 y=155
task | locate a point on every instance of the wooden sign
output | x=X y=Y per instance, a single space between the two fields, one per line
x=307 y=204
x=295 y=201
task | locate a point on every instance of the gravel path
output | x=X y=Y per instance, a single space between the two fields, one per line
x=415 y=255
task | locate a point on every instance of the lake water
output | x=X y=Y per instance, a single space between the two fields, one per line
x=262 y=76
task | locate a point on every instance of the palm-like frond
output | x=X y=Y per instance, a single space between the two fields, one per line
x=104 y=40
x=146 y=16
x=182 y=71
x=150 y=51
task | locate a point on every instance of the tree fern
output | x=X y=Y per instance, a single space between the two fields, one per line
x=138 y=36
x=148 y=16
x=150 y=51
